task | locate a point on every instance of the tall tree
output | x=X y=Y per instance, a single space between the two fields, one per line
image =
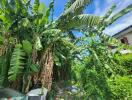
x=31 y=43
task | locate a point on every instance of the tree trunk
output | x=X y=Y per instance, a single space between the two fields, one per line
x=47 y=69
x=31 y=78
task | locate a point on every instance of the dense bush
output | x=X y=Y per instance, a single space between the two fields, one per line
x=101 y=82
x=125 y=60
x=121 y=87
x=95 y=85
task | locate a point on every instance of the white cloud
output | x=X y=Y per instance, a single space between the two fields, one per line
x=121 y=5
x=106 y=5
x=115 y=29
x=122 y=23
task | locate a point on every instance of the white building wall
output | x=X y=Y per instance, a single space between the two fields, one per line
x=129 y=37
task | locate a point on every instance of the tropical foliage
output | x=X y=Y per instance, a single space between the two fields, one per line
x=36 y=51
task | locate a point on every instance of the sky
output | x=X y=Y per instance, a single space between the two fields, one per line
x=100 y=7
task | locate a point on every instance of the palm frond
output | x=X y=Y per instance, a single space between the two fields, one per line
x=3 y=3
x=68 y=4
x=52 y=31
x=35 y=7
x=120 y=14
x=84 y=20
x=76 y=7
x=17 y=2
x=67 y=43
x=16 y=64
x=4 y=19
x=46 y=13
x=108 y=13
x=27 y=46
x=50 y=36
x=51 y=6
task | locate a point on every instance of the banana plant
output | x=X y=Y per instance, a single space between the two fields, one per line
x=43 y=43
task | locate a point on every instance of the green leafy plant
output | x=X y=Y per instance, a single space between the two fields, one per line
x=17 y=63
x=27 y=46
x=125 y=60
x=42 y=46
x=121 y=87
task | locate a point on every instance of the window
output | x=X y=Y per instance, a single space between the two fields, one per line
x=124 y=40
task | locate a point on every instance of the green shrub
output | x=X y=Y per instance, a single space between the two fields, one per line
x=125 y=60
x=95 y=85
x=121 y=87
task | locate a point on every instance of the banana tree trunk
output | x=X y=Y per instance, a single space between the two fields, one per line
x=47 y=69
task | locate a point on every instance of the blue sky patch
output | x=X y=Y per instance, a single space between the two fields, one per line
x=99 y=7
